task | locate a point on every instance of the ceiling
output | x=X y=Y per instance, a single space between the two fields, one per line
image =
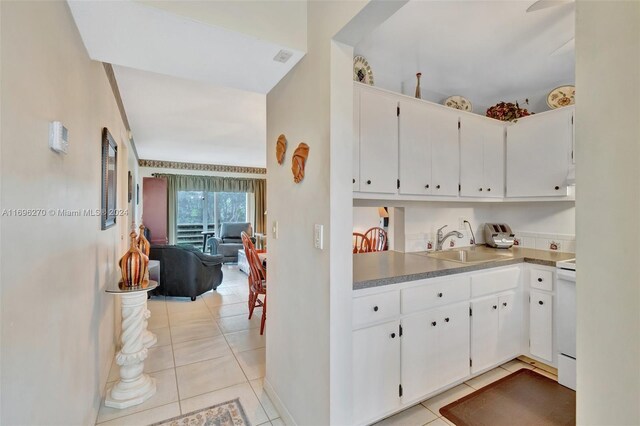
x=174 y=119
x=193 y=91
x=487 y=51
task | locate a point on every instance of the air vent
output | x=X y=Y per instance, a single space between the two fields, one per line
x=283 y=56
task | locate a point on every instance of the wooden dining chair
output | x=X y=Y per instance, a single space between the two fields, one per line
x=377 y=238
x=361 y=244
x=257 y=280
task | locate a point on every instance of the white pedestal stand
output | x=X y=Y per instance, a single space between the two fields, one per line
x=149 y=339
x=134 y=387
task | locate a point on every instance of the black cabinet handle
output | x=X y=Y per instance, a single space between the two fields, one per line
x=539 y=280
x=393 y=335
x=354 y=181
x=480 y=189
x=368 y=182
x=375 y=309
x=437 y=186
x=504 y=304
x=446 y=320
x=427 y=186
x=439 y=294
x=495 y=306
x=557 y=187
x=540 y=302
x=433 y=323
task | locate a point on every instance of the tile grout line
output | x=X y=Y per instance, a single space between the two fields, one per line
x=175 y=368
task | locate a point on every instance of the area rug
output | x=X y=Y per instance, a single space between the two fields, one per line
x=228 y=413
x=524 y=398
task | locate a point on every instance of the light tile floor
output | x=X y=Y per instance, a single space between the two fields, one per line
x=207 y=352
x=428 y=412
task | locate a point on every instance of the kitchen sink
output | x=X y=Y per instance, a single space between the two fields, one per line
x=468 y=256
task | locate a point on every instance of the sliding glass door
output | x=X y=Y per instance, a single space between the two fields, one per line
x=204 y=211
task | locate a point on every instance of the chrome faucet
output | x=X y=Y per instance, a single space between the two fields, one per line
x=442 y=238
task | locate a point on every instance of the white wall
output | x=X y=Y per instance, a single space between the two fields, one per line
x=365 y=218
x=607 y=206
x=58 y=325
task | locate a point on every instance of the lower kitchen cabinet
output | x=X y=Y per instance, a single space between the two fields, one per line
x=376 y=370
x=495 y=330
x=541 y=325
x=435 y=349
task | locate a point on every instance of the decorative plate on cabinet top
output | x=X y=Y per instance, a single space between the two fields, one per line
x=458 y=102
x=561 y=96
x=362 y=71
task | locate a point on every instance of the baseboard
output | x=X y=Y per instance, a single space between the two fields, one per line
x=285 y=415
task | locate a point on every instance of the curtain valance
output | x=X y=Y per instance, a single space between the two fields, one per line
x=211 y=183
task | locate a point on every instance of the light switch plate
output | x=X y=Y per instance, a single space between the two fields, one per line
x=318 y=240
x=274 y=229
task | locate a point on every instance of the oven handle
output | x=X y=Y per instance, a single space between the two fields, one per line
x=564 y=274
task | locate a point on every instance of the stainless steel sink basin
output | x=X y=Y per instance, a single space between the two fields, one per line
x=468 y=256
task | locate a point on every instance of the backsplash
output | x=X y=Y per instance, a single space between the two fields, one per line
x=553 y=242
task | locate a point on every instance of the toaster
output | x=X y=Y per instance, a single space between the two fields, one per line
x=498 y=235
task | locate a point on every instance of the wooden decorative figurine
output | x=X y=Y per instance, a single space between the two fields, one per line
x=134 y=265
x=298 y=162
x=281 y=148
x=418 y=94
x=143 y=243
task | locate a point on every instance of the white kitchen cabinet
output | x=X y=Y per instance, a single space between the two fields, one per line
x=435 y=349
x=482 y=155
x=376 y=371
x=378 y=141
x=355 y=167
x=429 y=149
x=539 y=154
x=495 y=330
x=541 y=325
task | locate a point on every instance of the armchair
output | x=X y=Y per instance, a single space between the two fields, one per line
x=229 y=241
x=185 y=271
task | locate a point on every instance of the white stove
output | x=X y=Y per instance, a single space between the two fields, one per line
x=566 y=271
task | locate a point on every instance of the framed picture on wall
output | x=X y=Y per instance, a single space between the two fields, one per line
x=130 y=187
x=137 y=194
x=109 y=179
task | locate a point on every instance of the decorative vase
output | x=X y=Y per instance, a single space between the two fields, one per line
x=143 y=243
x=133 y=265
x=418 y=94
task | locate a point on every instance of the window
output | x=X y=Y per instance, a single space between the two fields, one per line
x=199 y=211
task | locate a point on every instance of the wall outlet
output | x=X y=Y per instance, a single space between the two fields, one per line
x=318 y=234
x=461 y=223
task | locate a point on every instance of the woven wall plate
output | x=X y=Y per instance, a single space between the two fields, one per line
x=362 y=71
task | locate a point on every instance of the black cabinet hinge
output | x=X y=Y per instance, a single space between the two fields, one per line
x=470 y=362
x=400 y=330
x=398 y=112
x=470 y=312
x=400 y=391
x=459 y=187
x=398 y=183
x=459 y=124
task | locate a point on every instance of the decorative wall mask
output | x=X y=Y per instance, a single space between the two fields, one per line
x=298 y=162
x=281 y=148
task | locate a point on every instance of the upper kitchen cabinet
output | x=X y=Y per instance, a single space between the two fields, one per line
x=429 y=150
x=481 y=157
x=539 y=154
x=378 y=141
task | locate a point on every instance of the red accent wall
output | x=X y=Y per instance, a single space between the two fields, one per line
x=154 y=208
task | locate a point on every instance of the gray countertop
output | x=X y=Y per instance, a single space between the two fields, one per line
x=391 y=267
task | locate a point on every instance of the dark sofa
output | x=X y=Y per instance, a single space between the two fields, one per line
x=185 y=271
x=229 y=241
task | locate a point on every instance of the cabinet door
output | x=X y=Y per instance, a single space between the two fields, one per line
x=484 y=333
x=472 y=137
x=453 y=343
x=378 y=142
x=420 y=354
x=415 y=149
x=510 y=323
x=539 y=153
x=445 y=150
x=494 y=167
x=355 y=168
x=376 y=371
x=541 y=325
